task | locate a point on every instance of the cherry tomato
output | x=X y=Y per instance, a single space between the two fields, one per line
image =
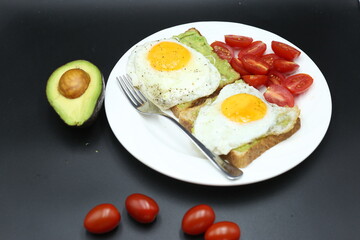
x=223 y=50
x=198 y=219
x=255 y=65
x=270 y=58
x=141 y=208
x=238 y=66
x=256 y=48
x=284 y=50
x=255 y=80
x=237 y=41
x=223 y=230
x=298 y=83
x=284 y=66
x=275 y=77
x=102 y=218
x=279 y=95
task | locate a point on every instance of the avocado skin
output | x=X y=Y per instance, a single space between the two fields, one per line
x=82 y=111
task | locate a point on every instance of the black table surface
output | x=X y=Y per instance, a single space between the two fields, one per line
x=51 y=175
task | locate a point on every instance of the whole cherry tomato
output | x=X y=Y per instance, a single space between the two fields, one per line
x=284 y=50
x=298 y=83
x=102 y=218
x=141 y=208
x=237 y=41
x=198 y=219
x=279 y=95
x=223 y=230
x=223 y=50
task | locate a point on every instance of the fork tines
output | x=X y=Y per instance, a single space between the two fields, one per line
x=135 y=97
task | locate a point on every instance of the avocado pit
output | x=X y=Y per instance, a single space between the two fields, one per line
x=73 y=83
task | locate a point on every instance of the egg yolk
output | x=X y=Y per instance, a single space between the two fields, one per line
x=243 y=108
x=168 y=56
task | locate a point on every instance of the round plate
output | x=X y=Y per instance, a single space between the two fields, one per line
x=159 y=144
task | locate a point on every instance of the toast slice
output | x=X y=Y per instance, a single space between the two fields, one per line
x=243 y=155
x=193 y=38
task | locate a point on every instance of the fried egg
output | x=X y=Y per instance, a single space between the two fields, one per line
x=240 y=115
x=170 y=73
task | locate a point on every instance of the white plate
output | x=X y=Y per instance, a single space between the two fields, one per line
x=159 y=144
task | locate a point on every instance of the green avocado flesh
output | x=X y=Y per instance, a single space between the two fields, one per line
x=193 y=39
x=77 y=111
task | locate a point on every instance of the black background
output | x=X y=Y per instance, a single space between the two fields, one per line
x=51 y=175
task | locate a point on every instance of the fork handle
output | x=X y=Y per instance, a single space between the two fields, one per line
x=226 y=167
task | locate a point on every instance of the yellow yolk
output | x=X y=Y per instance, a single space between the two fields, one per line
x=243 y=108
x=168 y=56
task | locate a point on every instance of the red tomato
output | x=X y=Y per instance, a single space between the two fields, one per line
x=198 y=219
x=223 y=50
x=284 y=66
x=275 y=77
x=141 y=208
x=285 y=51
x=223 y=231
x=102 y=218
x=256 y=48
x=255 y=80
x=255 y=65
x=238 y=41
x=298 y=83
x=238 y=66
x=279 y=95
x=270 y=58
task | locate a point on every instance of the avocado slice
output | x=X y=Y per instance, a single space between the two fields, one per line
x=76 y=92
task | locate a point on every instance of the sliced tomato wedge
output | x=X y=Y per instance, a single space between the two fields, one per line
x=255 y=65
x=285 y=66
x=223 y=50
x=275 y=77
x=256 y=48
x=279 y=95
x=270 y=58
x=255 y=80
x=298 y=83
x=284 y=50
x=238 y=66
x=238 y=41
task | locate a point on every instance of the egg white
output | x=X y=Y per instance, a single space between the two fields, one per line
x=221 y=135
x=169 y=88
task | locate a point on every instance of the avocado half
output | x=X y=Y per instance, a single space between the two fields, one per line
x=76 y=92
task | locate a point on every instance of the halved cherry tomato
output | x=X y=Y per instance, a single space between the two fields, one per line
x=102 y=218
x=256 y=48
x=238 y=41
x=255 y=65
x=198 y=219
x=141 y=208
x=223 y=50
x=255 y=80
x=285 y=66
x=238 y=66
x=298 y=83
x=284 y=50
x=269 y=59
x=279 y=95
x=275 y=77
x=223 y=230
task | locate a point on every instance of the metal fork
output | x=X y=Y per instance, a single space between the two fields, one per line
x=144 y=106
